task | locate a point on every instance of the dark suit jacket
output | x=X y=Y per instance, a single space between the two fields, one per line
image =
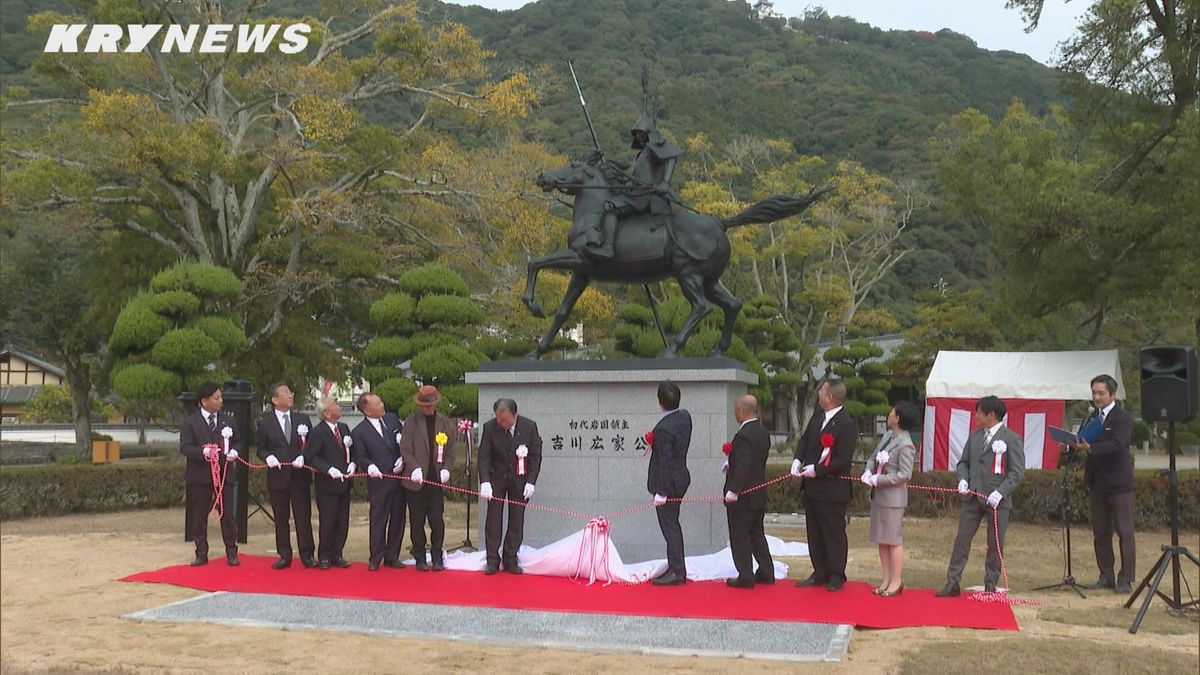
x=827 y=486
x=669 y=474
x=1109 y=467
x=271 y=442
x=371 y=448
x=748 y=465
x=194 y=434
x=324 y=451
x=498 y=456
x=415 y=447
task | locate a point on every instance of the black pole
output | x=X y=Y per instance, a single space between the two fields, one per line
x=1172 y=486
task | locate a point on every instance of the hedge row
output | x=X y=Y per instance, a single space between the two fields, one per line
x=53 y=490
x=61 y=489
x=1038 y=499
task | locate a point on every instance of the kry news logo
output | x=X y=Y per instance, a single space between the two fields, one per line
x=217 y=38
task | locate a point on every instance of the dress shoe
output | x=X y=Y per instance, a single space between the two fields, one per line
x=950 y=590
x=394 y=564
x=989 y=588
x=514 y=569
x=835 y=585
x=422 y=566
x=1123 y=588
x=308 y=561
x=438 y=565
x=199 y=560
x=341 y=562
x=892 y=594
x=811 y=581
x=281 y=564
x=1099 y=584
x=491 y=569
x=738 y=582
x=232 y=559
x=764 y=580
x=670 y=579
x=373 y=566
x=324 y=565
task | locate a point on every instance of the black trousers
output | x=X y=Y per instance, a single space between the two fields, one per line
x=334 y=524
x=749 y=543
x=426 y=506
x=973 y=511
x=668 y=522
x=826 y=525
x=200 y=498
x=495 y=520
x=1109 y=513
x=388 y=506
x=295 y=502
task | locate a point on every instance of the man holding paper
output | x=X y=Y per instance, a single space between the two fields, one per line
x=1108 y=474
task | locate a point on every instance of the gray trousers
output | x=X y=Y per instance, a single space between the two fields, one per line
x=973 y=511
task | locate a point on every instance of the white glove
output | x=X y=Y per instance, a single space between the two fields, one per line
x=873 y=480
x=730 y=496
x=994 y=499
x=208 y=451
x=335 y=473
x=659 y=500
x=963 y=488
x=866 y=477
x=485 y=490
x=273 y=461
x=725 y=467
x=374 y=472
x=809 y=471
x=418 y=476
x=351 y=468
x=528 y=490
x=397 y=465
x=231 y=455
x=444 y=474
x=298 y=463
x=795 y=471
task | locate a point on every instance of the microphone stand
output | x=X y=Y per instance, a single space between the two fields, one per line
x=1068 y=580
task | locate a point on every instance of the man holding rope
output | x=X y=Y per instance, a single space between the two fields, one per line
x=210 y=449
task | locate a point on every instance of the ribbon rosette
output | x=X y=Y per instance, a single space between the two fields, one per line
x=522 y=453
x=441 y=439
x=649 y=438
x=398 y=437
x=999 y=448
x=302 y=432
x=465 y=426
x=826 y=449
x=727 y=448
x=347 y=441
x=226 y=433
x=882 y=457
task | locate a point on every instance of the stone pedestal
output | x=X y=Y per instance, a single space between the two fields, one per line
x=592 y=416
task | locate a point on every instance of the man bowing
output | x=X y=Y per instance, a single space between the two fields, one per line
x=822 y=457
x=282 y=434
x=510 y=456
x=747 y=468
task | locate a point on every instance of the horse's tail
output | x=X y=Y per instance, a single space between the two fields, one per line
x=775 y=207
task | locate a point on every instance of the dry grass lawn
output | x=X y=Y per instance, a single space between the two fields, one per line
x=60 y=609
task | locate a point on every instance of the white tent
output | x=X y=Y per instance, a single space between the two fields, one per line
x=1063 y=376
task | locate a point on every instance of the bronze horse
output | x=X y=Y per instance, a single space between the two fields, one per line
x=693 y=248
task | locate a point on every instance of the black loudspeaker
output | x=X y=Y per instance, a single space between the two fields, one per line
x=1169 y=383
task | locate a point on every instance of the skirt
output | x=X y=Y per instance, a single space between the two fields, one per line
x=885 y=525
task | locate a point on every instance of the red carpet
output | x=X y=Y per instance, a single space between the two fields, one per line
x=704 y=600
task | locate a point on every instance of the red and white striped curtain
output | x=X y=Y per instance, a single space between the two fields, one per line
x=948 y=422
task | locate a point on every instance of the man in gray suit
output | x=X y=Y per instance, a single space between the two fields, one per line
x=992 y=464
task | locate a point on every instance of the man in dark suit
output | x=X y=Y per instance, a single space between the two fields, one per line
x=200 y=438
x=510 y=456
x=669 y=478
x=281 y=438
x=328 y=453
x=426 y=502
x=992 y=464
x=1108 y=474
x=747 y=468
x=822 y=458
x=377 y=442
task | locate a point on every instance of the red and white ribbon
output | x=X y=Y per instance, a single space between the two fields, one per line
x=999 y=448
x=522 y=453
x=346 y=443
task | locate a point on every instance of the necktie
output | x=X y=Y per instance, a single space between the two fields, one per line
x=1101 y=417
x=212 y=421
x=287 y=428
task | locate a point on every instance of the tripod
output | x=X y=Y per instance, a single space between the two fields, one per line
x=470 y=498
x=1170 y=555
x=1068 y=580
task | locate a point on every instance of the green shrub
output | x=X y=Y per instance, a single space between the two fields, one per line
x=177 y=303
x=395 y=392
x=203 y=279
x=448 y=310
x=433 y=278
x=463 y=399
x=387 y=351
x=392 y=311
x=637 y=315
x=447 y=363
x=137 y=327
x=432 y=338
x=145 y=381
x=185 y=350
x=225 y=331
x=377 y=375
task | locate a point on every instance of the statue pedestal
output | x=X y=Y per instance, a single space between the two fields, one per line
x=592 y=416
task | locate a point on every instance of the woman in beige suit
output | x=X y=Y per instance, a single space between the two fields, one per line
x=888 y=470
